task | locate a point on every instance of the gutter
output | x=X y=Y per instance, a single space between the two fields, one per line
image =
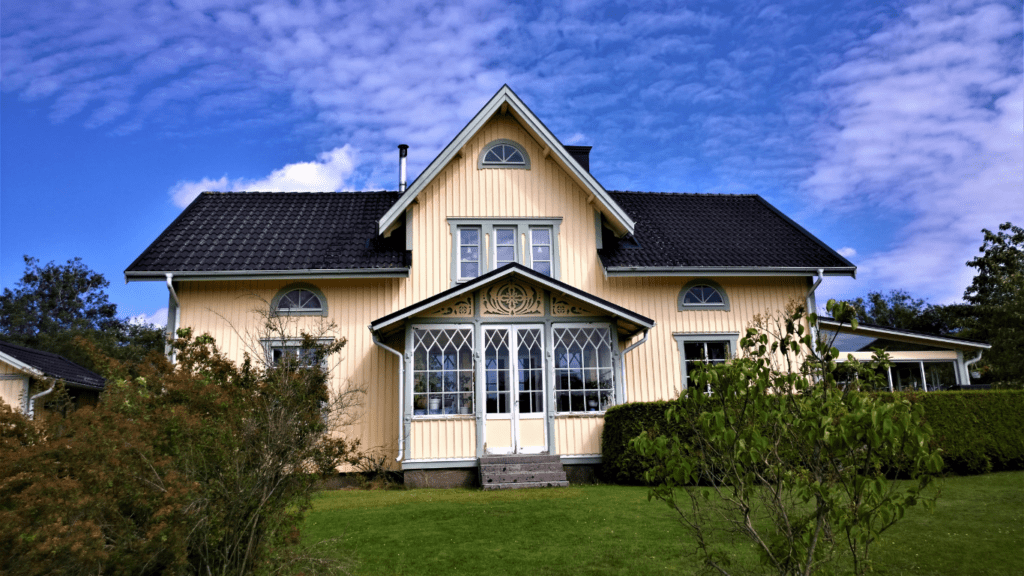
x=967 y=365
x=622 y=364
x=401 y=394
x=612 y=271
x=356 y=273
x=812 y=305
x=172 y=321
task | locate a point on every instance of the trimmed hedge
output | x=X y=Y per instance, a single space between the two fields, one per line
x=978 y=431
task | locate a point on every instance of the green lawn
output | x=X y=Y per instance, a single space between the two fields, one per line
x=976 y=528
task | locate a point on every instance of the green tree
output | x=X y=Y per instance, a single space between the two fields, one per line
x=996 y=296
x=788 y=459
x=201 y=468
x=898 y=309
x=53 y=305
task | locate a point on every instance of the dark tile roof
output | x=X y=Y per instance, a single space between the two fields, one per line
x=54 y=366
x=260 y=231
x=712 y=230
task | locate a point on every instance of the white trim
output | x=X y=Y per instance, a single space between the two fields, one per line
x=355 y=273
x=878 y=331
x=533 y=276
x=20 y=365
x=506 y=98
x=629 y=271
x=580 y=459
x=438 y=463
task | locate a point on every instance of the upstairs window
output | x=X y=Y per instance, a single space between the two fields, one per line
x=703 y=294
x=503 y=154
x=299 y=300
x=480 y=245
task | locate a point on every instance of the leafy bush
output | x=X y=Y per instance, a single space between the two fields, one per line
x=203 y=468
x=788 y=458
x=978 y=432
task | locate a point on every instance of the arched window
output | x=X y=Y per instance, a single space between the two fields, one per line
x=703 y=294
x=504 y=154
x=299 y=300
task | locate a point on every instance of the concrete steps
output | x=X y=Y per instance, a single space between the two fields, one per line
x=526 y=471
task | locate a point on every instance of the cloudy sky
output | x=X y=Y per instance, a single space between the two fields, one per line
x=892 y=131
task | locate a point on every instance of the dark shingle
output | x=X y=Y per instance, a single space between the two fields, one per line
x=712 y=230
x=254 y=231
x=54 y=366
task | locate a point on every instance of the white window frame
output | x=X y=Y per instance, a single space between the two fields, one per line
x=488 y=234
x=269 y=345
x=723 y=306
x=730 y=338
x=615 y=389
x=275 y=303
x=411 y=374
x=516 y=256
x=481 y=250
x=481 y=164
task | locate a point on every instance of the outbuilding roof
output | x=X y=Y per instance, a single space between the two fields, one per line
x=702 y=233
x=51 y=365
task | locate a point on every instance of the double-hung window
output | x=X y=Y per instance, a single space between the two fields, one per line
x=706 y=348
x=483 y=244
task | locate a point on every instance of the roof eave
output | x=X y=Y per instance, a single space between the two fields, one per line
x=879 y=331
x=32 y=370
x=617 y=216
x=401 y=315
x=621 y=271
x=340 y=273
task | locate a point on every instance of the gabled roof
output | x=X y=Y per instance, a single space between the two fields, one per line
x=636 y=321
x=275 y=234
x=39 y=363
x=688 y=234
x=507 y=100
x=884 y=332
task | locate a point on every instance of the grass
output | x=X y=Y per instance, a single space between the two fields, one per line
x=977 y=528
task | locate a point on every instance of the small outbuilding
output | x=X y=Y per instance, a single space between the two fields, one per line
x=28 y=375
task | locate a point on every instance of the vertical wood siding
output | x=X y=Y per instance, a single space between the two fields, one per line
x=11 y=390
x=497 y=434
x=440 y=439
x=578 y=435
x=225 y=309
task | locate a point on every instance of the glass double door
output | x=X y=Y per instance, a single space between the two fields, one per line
x=515 y=395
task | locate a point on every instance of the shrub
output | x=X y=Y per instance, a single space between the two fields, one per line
x=203 y=468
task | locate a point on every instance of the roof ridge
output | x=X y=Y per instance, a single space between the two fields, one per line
x=667 y=193
x=268 y=192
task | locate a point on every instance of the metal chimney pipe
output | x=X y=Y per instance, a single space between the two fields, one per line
x=403 y=151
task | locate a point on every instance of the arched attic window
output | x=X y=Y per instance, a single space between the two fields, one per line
x=504 y=154
x=299 y=300
x=703 y=294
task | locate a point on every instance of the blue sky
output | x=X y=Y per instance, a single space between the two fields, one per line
x=892 y=131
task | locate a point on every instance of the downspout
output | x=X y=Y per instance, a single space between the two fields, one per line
x=401 y=394
x=812 y=305
x=32 y=401
x=967 y=366
x=176 y=320
x=622 y=364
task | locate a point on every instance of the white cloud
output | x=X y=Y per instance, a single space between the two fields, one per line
x=928 y=134
x=847 y=252
x=330 y=172
x=158 y=318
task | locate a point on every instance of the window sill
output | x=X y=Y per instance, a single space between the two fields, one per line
x=592 y=414
x=470 y=416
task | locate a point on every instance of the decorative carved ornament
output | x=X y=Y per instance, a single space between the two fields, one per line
x=512 y=299
x=560 y=307
x=457 y=308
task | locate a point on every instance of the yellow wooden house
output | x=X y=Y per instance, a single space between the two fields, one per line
x=500 y=303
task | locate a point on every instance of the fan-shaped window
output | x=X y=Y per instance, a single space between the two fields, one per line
x=299 y=300
x=504 y=154
x=703 y=294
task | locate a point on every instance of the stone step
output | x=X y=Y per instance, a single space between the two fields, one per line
x=520 y=458
x=524 y=477
x=519 y=468
x=516 y=485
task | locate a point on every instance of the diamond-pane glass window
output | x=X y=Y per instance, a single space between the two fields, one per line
x=584 y=373
x=299 y=301
x=442 y=371
x=703 y=295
